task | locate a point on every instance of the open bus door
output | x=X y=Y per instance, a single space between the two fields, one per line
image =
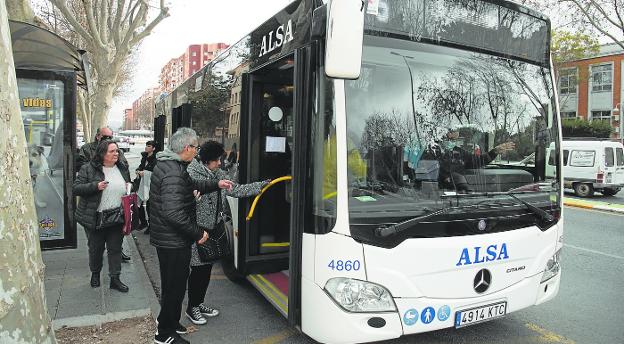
x=272 y=135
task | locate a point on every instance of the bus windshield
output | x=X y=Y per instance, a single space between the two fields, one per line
x=434 y=129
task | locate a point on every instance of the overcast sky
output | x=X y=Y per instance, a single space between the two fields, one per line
x=191 y=22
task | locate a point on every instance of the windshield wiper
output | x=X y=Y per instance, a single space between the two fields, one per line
x=385 y=231
x=540 y=213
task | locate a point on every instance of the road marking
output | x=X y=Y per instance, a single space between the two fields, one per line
x=276 y=338
x=549 y=336
x=594 y=209
x=594 y=251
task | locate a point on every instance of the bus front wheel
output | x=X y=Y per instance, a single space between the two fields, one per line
x=229 y=270
x=583 y=190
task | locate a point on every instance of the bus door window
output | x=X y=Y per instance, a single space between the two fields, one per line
x=272 y=214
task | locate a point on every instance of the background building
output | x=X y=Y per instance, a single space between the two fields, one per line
x=143 y=109
x=591 y=88
x=178 y=69
x=129 y=121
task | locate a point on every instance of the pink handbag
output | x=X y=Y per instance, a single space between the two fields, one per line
x=130 y=205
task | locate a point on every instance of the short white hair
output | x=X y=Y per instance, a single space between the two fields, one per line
x=182 y=138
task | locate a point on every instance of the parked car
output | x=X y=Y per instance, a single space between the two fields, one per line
x=593 y=165
x=122 y=143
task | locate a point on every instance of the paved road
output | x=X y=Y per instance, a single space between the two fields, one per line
x=588 y=308
x=617 y=198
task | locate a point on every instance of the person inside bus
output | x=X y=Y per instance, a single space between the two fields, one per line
x=455 y=160
x=209 y=206
x=148 y=161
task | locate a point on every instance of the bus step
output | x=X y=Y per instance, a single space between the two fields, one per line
x=274 y=287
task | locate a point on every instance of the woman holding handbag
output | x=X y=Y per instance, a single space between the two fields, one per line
x=100 y=184
x=209 y=207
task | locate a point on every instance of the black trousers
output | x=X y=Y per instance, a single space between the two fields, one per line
x=142 y=210
x=198 y=284
x=97 y=241
x=174 y=271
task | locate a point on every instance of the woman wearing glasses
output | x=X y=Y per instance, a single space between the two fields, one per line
x=100 y=184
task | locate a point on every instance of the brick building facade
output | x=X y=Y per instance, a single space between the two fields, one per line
x=591 y=88
x=178 y=69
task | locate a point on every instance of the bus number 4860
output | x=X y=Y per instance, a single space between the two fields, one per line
x=344 y=265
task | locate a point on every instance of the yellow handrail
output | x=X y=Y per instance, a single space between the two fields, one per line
x=273 y=182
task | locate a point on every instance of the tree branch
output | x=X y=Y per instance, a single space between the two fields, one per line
x=603 y=13
x=61 y=5
x=116 y=29
x=593 y=22
x=617 y=13
x=91 y=23
x=164 y=13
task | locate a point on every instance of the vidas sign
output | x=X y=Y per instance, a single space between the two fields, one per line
x=478 y=254
x=276 y=38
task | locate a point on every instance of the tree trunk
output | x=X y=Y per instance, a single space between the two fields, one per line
x=101 y=106
x=23 y=312
x=20 y=10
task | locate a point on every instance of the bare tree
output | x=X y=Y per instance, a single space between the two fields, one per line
x=23 y=312
x=110 y=31
x=604 y=16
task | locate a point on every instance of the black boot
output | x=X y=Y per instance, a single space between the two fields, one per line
x=124 y=256
x=147 y=231
x=116 y=284
x=95 y=279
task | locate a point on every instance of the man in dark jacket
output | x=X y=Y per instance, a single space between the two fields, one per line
x=87 y=151
x=174 y=227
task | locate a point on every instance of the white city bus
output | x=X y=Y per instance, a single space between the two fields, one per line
x=402 y=198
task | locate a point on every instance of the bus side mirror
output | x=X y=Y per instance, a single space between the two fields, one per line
x=345 y=31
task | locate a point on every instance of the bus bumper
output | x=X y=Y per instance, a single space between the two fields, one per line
x=326 y=322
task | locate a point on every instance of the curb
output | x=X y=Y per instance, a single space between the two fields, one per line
x=154 y=304
x=584 y=205
x=98 y=319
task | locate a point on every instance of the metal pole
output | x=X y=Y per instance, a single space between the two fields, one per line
x=621 y=125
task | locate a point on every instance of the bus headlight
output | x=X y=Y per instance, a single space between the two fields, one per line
x=360 y=296
x=552 y=267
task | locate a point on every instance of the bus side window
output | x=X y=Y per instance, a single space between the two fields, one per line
x=566 y=153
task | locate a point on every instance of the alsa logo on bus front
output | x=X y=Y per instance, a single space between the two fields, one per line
x=478 y=254
x=277 y=38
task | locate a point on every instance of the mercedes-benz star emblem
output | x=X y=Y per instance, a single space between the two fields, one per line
x=482 y=225
x=482 y=281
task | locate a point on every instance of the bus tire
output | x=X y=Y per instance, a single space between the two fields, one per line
x=227 y=264
x=583 y=190
x=610 y=191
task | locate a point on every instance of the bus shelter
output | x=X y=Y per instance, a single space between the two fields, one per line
x=49 y=69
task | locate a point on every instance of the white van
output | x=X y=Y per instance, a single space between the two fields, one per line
x=593 y=165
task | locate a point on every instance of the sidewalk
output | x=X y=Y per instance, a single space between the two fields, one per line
x=597 y=205
x=73 y=303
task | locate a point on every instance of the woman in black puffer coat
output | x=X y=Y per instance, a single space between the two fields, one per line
x=100 y=185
